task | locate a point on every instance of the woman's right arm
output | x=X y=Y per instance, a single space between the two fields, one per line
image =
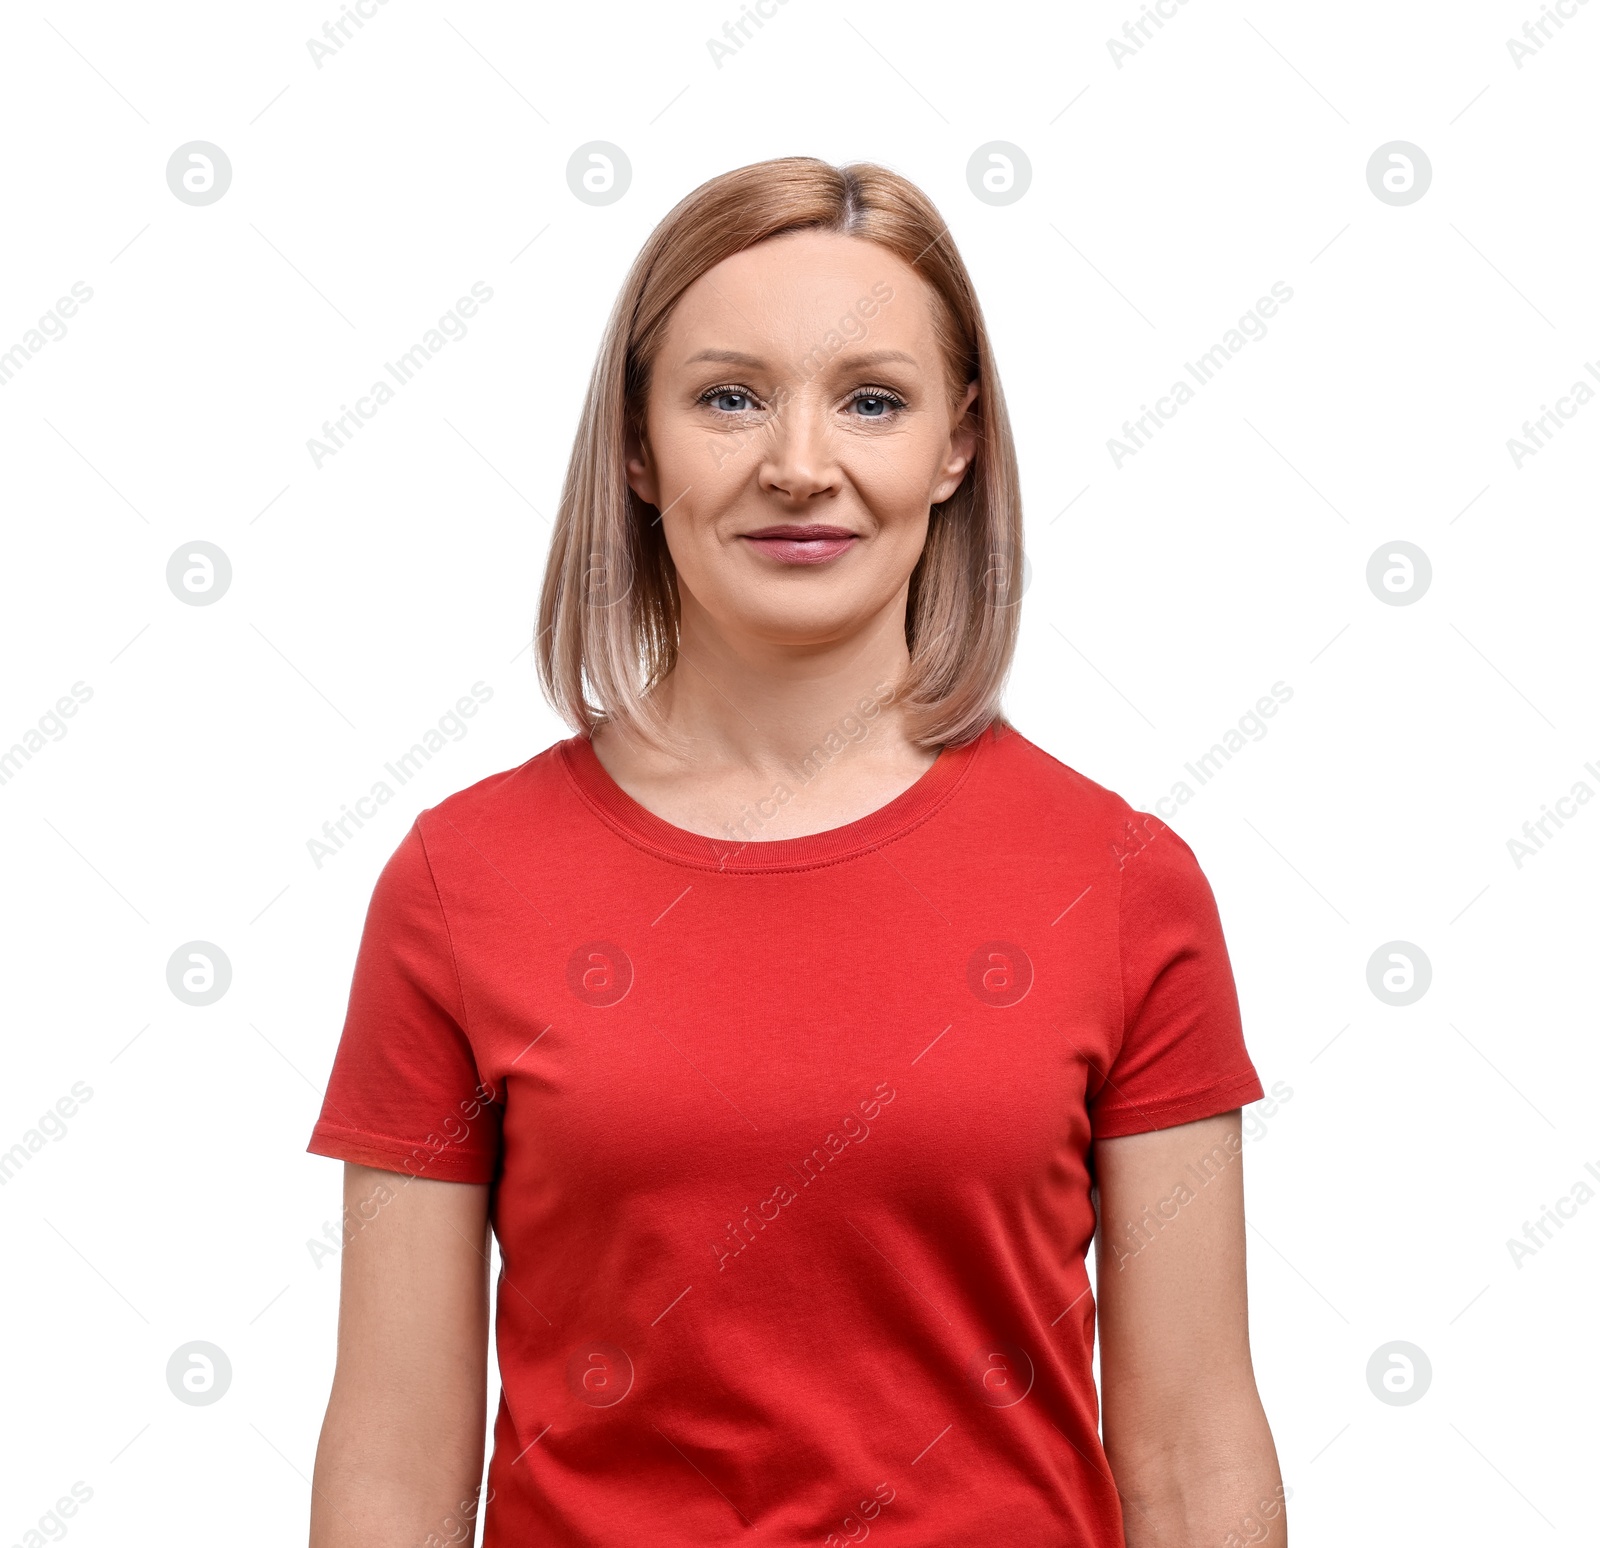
x=400 y=1458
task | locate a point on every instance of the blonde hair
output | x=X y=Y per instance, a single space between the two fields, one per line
x=608 y=610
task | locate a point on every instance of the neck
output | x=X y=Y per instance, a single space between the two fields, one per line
x=762 y=705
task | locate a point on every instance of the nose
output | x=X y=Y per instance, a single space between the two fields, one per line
x=799 y=461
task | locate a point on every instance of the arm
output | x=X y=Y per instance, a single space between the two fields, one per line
x=401 y=1451
x=1184 y=1429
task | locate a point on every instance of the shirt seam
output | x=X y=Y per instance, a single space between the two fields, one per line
x=395 y=1142
x=391 y=1139
x=1155 y=1104
x=450 y=940
x=1122 y=978
x=644 y=844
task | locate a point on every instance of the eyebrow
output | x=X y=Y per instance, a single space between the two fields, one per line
x=755 y=362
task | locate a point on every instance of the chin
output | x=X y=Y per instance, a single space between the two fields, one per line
x=804 y=626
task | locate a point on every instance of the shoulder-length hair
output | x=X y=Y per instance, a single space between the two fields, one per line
x=608 y=610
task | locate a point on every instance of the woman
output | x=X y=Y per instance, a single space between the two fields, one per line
x=784 y=1019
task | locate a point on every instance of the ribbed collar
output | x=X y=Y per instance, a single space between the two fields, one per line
x=913 y=806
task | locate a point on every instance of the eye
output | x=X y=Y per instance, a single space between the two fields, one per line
x=875 y=403
x=729 y=400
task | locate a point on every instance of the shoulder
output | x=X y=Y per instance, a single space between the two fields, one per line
x=504 y=798
x=1080 y=819
x=1061 y=800
x=510 y=829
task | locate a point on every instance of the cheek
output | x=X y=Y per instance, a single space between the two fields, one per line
x=895 y=474
x=699 y=487
x=681 y=457
x=690 y=540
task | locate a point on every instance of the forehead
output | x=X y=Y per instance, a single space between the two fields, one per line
x=783 y=296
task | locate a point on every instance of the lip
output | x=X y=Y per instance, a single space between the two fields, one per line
x=801 y=543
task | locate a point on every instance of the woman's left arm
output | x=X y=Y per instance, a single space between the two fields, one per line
x=1184 y=1429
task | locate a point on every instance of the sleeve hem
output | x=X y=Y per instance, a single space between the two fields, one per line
x=389 y=1154
x=1221 y=1097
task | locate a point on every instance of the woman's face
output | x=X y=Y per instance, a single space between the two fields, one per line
x=798 y=427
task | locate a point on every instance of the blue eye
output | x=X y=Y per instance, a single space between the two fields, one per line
x=728 y=400
x=875 y=405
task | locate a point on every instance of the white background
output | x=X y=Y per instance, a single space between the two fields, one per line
x=1168 y=595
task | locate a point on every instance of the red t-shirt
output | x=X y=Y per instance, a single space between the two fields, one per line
x=789 y=1138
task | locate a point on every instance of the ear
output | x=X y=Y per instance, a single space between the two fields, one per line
x=963 y=448
x=638 y=467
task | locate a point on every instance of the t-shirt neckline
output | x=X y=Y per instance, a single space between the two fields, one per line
x=640 y=826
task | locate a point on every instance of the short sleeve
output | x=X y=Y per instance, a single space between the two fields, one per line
x=405 y=1092
x=1182 y=1056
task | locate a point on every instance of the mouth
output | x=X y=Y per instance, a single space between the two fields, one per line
x=794 y=543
